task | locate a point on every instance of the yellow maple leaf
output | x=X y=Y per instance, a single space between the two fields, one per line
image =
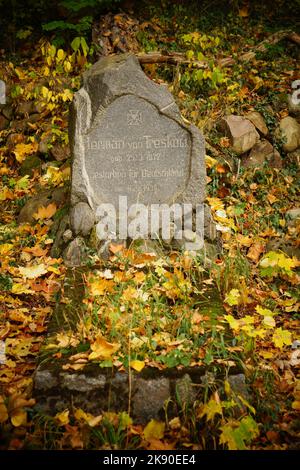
x=130 y=293
x=210 y=409
x=63 y=417
x=32 y=272
x=102 y=349
x=18 y=417
x=18 y=288
x=137 y=365
x=21 y=151
x=282 y=337
x=215 y=203
x=45 y=212
x=154 y=430
x=101 y=286
x=87 y=417
x=6 y=248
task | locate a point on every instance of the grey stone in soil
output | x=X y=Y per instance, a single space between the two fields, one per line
x=127 y=138
x=60 y=152
x=42 y=199
x=289 y=131
x=242 y=133
x=30 y=164
x=75 y=253
x=263 y=152
x=82 y=219
x=294 y=108
x=149 y=398
x=3 y=123
x=258 y=121
x=293 y=214
x=58 y=230
x=185 y=391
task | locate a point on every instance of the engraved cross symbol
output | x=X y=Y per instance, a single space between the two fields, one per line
x=134 y=117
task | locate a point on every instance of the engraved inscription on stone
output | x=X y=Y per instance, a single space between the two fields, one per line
x=148 y=163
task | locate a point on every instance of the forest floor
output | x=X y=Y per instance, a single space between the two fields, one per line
x=147 y=307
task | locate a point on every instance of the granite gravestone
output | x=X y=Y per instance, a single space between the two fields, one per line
x=128 y=139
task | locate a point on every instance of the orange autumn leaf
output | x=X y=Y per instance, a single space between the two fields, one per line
x=255 y=251
x=45 y=212
x=101 y=286
x=102 y=349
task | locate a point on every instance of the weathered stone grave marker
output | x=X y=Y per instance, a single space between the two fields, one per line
x=128 y=139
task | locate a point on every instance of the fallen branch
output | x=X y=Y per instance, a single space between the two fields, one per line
x=176 y=58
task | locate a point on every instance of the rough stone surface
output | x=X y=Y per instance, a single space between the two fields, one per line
x=43 y=198
x=60 y=152
x=186 y=393
x=238 y=385
x=82 y=218
x=263 y=152
x=82 y=382
x=149 y=398
x=127 y=138
x=74 y=254
x=294 y=109
x=258 y=121
x=294 y=213
x=242 y=133
x=30 y=164
x=289 y=130
x=45 y=379
x=3 y=123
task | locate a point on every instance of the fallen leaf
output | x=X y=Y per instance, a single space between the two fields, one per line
x=154 y=430
x=102 y=349
x=137 y=365
x=45 y=212
x=63 y=417
x=32 y=272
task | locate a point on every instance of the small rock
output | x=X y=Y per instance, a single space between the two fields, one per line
x=293 y=213
x=3 y=123
x=30 y=164
x=25 y=108
x=44 y=379
x=258 y=121
x=60 y=152
x=149 y=398
x=294 y=109
x=75 y=253
x=192 y=240
x=14 y=139
x=82 y=382
x=294 y=157
x=185 y=392
x=8 y=111
x=238 y=385
x=241 y=131
x=263 y=152
x=82 y=218
x=42 y=199
x=289 y=131
x=18 y=126
x=45 y=144
x=295 y=344
x=67 y=235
